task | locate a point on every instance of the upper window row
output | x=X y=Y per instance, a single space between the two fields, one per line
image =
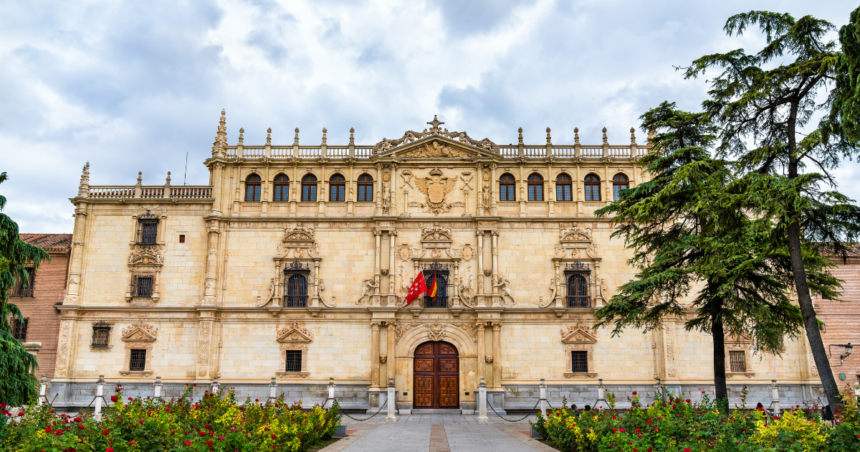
x=563 y=187
x=337 y=188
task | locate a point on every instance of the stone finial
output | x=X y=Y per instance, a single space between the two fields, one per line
x=651 y=134
x=632 y=135
x=168 y=179
x=269 y=136
x=520 y=136
x=84 y=187
x=220 y=144
x=548 y=137
x=241 y=136
x=576 y=135
x=352 y=136
x=140 y=178
x=296 y=139
x=325 y=131
x=605 y=140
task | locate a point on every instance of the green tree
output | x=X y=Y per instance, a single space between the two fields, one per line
x=763 y=103
x=690 y=236
x=18 y=386
x=845 y=112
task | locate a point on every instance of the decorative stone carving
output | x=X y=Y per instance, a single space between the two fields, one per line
x=404 y=252
x=575 y=235
x=368 y=288
x=467 y=253
x=435 y=150
x=294 y=336
x=503 y=285
x=294 y=333
x=383 y=359
x=435 y=187
x=145 y=256
x=436 y=237
x=139 y=336
x=577 y=334
x=412 y=136
x=436 y=332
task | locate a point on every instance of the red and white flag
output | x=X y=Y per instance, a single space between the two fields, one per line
x=418 y=287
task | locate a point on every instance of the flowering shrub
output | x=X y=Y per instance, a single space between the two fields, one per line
x=682 y=426
x=215 y=423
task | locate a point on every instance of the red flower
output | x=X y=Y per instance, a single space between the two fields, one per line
x=187 y=443
x=209 y=443
x=195 y=384
x=80 y=426
x=20 y=413
x=60 y=431
x=105 y=432
x=47 y=429
x=688 y=400
x=202 y=433
x=256 y=400
x=114 y=398
x=77 y=419
x=273 y=436
x=109 y=449
x=208 y=427
x=634 y=392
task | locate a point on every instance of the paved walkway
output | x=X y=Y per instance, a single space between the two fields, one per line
x=437 y=433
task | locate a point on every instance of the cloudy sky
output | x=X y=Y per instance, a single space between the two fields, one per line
x=134 y=86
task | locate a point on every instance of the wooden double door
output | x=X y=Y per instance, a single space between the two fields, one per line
x=436 y=376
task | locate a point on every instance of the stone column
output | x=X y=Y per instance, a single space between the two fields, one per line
x=350 y=196
x=374 y=355
x=377 y=271
x=496 y=300
x=497 y=356
x=390 y=351
x=392 y=210
x=493 y=197
x=391 y=236
x=523 y=189
x=482 y=361
x=559 y=297
x=211 y=265
x=479 y=190
x=264 y=190
x=480 y=235
x=550 y=183
x=379 y=193
x=79 y=238
x=216 y=188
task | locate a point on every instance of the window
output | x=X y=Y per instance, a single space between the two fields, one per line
x=282 y=188
x=506 y=188
x=142 y=286
x=592 y=188
x=737 y=361
x=309 y=188
x=147 y=229
x=138 y=360
x=101 y=335
x=252 y=188
x=579 y=361
x=181 y=238
x=577 y=291
x=337 y=188
x=294 y=361
x=19 y=329
x=535 y=187
x=563 y=188
x=619 y=182
x=365 y=188
x=440 y=272
x=21 y=289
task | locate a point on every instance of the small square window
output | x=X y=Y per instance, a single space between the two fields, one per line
x=181 y=238
x=138 y=360
x=101 y=335
x=19 y=329
x=737 y=360
x=143 y=285
x=294 y=361
x=579 y=361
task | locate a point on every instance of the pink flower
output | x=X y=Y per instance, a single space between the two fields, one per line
x=187 y=443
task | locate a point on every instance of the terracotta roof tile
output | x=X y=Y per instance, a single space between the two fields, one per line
x=50 y=242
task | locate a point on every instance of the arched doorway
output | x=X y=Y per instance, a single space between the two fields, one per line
x=436 y=376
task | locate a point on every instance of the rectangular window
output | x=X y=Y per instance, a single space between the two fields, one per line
x=282 y=193
x=337 y=193
x=365 y=193
x=101 y=335
x=148 y=232
x=535 y=192
x=579 y=361
x=737 y=359
x=507 y=193
x=562 y=193
x=294 y=361
x=181 y=238
x=143 y=286
x=252 y=192
x=138 y=360
x=21 y=289
x=309 y=192
x=19 y=329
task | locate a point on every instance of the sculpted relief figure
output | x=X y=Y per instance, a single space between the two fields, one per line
x=370 y=286
x=435 y=187
x=502 y=284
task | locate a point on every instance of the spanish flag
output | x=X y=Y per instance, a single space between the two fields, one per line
x=431 y=292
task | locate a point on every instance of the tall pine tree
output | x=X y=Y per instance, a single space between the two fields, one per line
x=18 y=386
x=763 y=103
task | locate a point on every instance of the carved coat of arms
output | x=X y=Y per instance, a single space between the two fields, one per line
x=435 y=187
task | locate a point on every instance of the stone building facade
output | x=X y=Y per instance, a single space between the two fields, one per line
x=38 y=301
x=294 y=261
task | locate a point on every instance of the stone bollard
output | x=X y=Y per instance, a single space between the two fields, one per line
x=100 y=392
x=215 y=389
x=43 y=388
x=662 y=390
x=482 y=402
x=601 y=396
x=391 y=405
x=156 y=392
x=774 y=395
x=273 y=389
x=543 y=397
x=331 y=388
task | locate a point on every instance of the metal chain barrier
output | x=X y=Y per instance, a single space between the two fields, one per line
x=356 y=419
x=516 y=420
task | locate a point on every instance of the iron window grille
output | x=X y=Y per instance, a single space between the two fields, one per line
x=25 y=290
x=296 y=285
x=579 y=361
x=578 y=275
x=282 y=188
x=19 y=329
x=441 y=272
x=365 y=188
x=101 y=334
x=737 y=361
x=142 y=285
x=147 y=229
x=138 y=360
x=294 y=361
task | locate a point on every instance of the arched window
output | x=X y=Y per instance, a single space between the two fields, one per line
x=282 y=188
x=592 y=188
x=297 y=292
x=619 y=182
x=365 y=188
x=563 y=188
x=535 y=187
x=577 y=292
x=309 y=188
x=337 y=188
x=506 y=188
x=252 y=188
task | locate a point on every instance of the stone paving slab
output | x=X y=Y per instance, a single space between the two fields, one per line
x=391 y=438
x=469 y=437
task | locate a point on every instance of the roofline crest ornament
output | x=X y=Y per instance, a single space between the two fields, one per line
x=411 y=136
